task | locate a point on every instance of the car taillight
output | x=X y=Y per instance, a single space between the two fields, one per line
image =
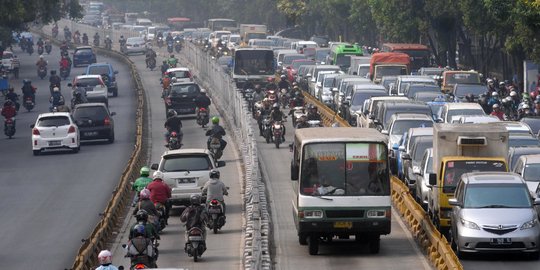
x=107 y=121
x=71 y=129
x=35 y=131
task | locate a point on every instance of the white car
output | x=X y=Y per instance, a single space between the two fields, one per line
x=94 y=88
x=182 y=74
x=186 y=171
x=56 y=130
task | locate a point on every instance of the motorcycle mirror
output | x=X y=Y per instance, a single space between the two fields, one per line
x=221 y=163
x=113 y=113
x=32 y=126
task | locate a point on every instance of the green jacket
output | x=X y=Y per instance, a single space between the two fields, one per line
x=141 y=183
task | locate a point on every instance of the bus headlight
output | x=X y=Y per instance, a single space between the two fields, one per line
x=377 y=213
x=311 y=214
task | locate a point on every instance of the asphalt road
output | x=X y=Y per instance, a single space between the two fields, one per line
x=224 y=249
x=52 y=201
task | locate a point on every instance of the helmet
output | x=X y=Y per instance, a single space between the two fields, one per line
x=270 y=79
x=141 y=215
x=283 y=76
x=41 y=57
x=145 y=171
x=275 y=106
x=172 y=55
x=173 y=79
x=215 y=120
x=214 y=174
x=501 y=84
x=171 y=113
x=139 y=230
x=105 y=257
x=107 y=36
x=495 y=106
x=495 y=94
x=526 y=106
x=203 y=91
x=27 y=81
x=144 y=194
x=56 y=89
x=513 y=94
x=294 y=83
x=195 y=199
x=158 y=175
x=296 y=87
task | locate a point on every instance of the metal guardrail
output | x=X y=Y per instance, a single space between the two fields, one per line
x=237 y=116
x=86 y=258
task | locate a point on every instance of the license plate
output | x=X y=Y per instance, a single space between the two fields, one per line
x=195 y=238
x=185 y=181
x=55 y=143
x=501 y=241
x=184 y=110
x=90 y=133
x=214 y=211
x=343 y=224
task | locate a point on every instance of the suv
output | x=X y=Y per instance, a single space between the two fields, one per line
x=186 y=171
x=108 y=75
x=94 y=121
x=94 y=87
x=83 y=55
x=180 y=97
x=494 y=212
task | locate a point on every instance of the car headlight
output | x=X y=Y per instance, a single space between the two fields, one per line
x=469 y=224
x=312 y=214
x=529 y=224
x=377 y=213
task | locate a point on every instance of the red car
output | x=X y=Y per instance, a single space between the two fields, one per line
x=291 y=70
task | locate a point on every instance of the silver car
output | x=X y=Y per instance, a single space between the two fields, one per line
x=494 y=212
x=135 y=45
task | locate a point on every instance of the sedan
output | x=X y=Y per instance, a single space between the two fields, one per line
x=55 y=130
x=135 y=45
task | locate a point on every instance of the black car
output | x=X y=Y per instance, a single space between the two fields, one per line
x=94 y=121
x=180 y=97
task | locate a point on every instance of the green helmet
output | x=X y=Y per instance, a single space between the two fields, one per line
x=145 y=171
x=215 y=120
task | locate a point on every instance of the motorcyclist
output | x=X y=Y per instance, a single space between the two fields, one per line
x=283 y=83
x=497 y=112
x=140 y=248
x=271 y=85
x=105 y=261
x=195 y=215
x=159 y=35
x=169 y=39
x=64 y=46
x=494 y=99
x=203 y=101
x=216 y=131
x=77 y=36
x=85 y=39
x=64 y=63
x=298 y=100
x=215 y=189
x=11 y=95
x=9 y=110
x=56 y=99
x=150 y=54
x=96 y=38
x=41 y=63
x=108 y=41
x=79 y=97
x=141 y=183
x=15 y=66
x=515 y=100
x=142 y=216
x=264 y=111
x=537 y=107
x=313 y=114
x=54 y=80
x=172 y=61
x=302 y=122
x=525 y=111
x=39 y=43
x=278 y=115
x=28 y=90
x=173 y=124
x=164 y=67
x=160 y=193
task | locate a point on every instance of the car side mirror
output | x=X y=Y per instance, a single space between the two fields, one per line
x=113 y=113
x=432 y=179
x=372 y=117
x=346 y=103
x=393 y=92
x=308 y=75
x=334 y=89
x=290 y=147
x=405 y=156
x=154 y=166
x=439 y=120
x=384 y=131
x=453 y=202
x=280 y=63
x=221 y=163
x=537 y=202
x=70 y=85
x=416 y=170
x=401 y=148
x=116 y=72
x=294 y=171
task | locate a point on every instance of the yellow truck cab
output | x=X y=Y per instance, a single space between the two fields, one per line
x=459 y=149
x=453 y=77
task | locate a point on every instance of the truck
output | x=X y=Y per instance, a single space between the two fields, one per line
x=249 y=31
x=254 y=65
x=388 y=64
x=459 y=149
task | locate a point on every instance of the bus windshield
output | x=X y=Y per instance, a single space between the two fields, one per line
x=345 y=169
x=254 y=62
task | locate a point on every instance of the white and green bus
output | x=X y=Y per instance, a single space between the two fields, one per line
x=342 y=185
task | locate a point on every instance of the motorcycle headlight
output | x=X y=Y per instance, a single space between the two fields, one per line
x=529 y=224
x=469 y=224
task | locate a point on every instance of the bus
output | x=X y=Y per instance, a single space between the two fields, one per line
x=419 y=53
x=178 y=23
x=341 y=182
x=254 y=65
x=222 y=24
x=340 y=55
x=130 y=18
x=143 y=22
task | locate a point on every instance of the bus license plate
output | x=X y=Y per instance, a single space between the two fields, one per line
x=343 y=224
x=501 y=241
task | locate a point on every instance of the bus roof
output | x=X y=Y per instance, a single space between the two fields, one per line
x=340 y=134
x=221 y=19
x=405 y=46
x=347 y=48
x=178 y=19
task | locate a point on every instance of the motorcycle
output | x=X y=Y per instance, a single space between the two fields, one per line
x=177 y=46
x=277 y=131
x=174 y=141
x=42 y=72
x=48 y=48
x=160 y=42
x=284 y=98
x=215 y=148
x=152 y=63
x=202 y=117
x=40 y=50
x=28 y=103
x=170 y=47
x=9 y=127
x=196 y=244
x=161 y=218
x=297 y=112
x=217 y=218
x=77 y=39
x=85 y=41
x=64 y=73
x=267 y=129
x=30 y=49
x=55 y=32
x=96 y=42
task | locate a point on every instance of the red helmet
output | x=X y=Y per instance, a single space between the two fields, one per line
x=202 y=109
x=173 y=134
x=270 y=79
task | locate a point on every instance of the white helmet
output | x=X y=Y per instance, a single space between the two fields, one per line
x=513 y=94
x=495 y=94
x=56 y=89
x=203 y=91
x=526 y=106
x=173 y=79
x=41 y=57
x=158 y=174
x=107 y=36
x=495 y=106
x=105 y=257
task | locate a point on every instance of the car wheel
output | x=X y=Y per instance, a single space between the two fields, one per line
x=313 y=244
x=76 y=149
x=115 y=92
x=111 y=138
x=302 y=239
x=534 y=256
x=36 y=152
x=375 y=245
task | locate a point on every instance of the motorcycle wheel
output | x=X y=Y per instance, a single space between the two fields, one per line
x=267 y=137
x=195 y=254
x=215 y=226
x=278 y=142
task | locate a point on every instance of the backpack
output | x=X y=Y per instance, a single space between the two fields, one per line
x=194 y=220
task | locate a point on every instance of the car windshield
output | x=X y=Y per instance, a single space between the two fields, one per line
x=98 y=70
x=473 y=89
x=454 y=170
x=53 y=121
x=343 y=60
x=393 y=110
x=420 y=147
x=390 y=71
x=533 y=122
x=497 y=196
x=191 y=89
x=96 y=112
x=320 y=55
x=179 y=74
x=413 y=89
x=465 y=78
x=287 y=59
x=297 y=64
x=360 y=96
x=85 y=82
x=401 y=126
x=452 y=113
x=328 y=82
x=363 y=71
x=83 y=52
x=522 y=141
x=345 y=169
x=181 y=163
x=532 y=172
